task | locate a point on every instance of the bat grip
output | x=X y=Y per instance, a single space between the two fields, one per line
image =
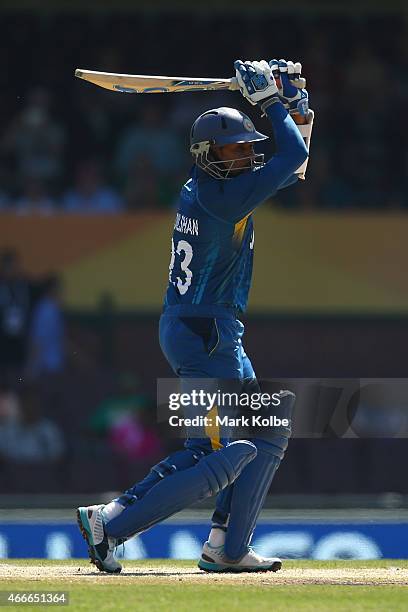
x=233 y=83
x=233 y=86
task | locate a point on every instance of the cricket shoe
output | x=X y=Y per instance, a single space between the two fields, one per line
x=101 y=548
x=213 y=559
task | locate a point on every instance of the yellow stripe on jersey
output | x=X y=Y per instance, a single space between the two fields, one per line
x=239 y=228
x=212 y=430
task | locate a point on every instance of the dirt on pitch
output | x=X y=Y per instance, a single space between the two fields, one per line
x=155 y=573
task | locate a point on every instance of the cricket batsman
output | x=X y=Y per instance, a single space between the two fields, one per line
x=200 y=332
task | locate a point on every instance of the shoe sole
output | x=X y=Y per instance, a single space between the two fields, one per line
x=205 y=566
x=86 y=534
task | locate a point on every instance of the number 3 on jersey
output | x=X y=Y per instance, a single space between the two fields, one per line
x=182 y=247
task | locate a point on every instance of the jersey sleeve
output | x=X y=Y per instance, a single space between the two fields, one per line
x=290 y=181
x=231 y=200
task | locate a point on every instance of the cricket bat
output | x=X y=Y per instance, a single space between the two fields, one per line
x=138 y=83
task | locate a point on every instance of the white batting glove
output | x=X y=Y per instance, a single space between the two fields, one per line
x=291 y=85
x=256 y=82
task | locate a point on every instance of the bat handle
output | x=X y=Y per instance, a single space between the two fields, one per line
x=233 y=84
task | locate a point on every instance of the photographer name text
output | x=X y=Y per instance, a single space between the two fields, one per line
x=225 y=421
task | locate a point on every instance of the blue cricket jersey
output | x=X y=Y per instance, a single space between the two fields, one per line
x=213 y=239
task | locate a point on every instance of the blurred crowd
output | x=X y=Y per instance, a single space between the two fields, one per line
x=68 y=146
x=59 y=412
x=32 y=334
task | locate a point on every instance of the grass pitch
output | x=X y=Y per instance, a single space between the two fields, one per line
x=179 y=586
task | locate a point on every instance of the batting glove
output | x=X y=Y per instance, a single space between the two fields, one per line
x=291 y=91
x=256 y=82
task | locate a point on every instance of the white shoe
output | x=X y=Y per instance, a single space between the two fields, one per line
x=101 y=548
x=213 y=559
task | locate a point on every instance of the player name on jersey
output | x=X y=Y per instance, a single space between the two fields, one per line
x=186 y=225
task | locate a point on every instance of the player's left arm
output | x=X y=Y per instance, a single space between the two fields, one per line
x=233 y=199
x=288 y=182
x=291 y=153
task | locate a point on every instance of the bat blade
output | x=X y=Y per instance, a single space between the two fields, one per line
x=138 y=83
